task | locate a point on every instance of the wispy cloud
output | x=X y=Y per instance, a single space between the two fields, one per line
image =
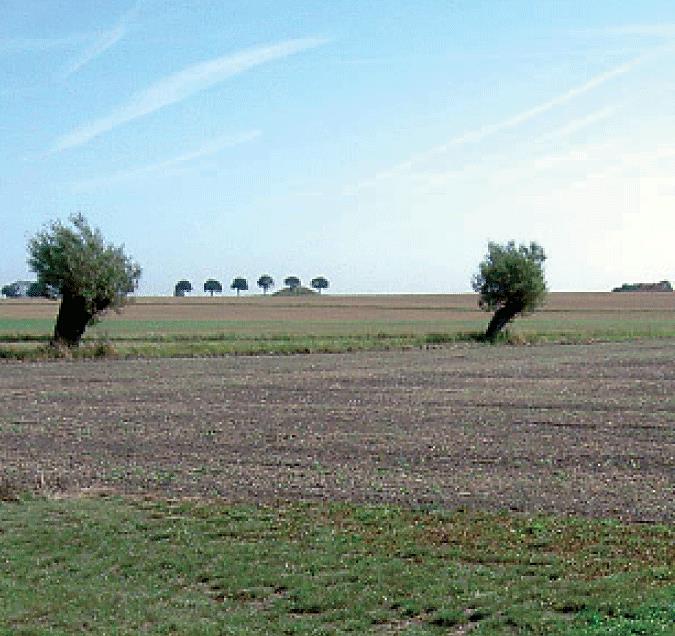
x=104 y=41
x=664 y=30
x=211 y=148
x=479 y=134
x=38 y=45
x=578 y=124
x=182 y=85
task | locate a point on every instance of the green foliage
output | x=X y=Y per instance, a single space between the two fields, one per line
x=662 y=286
x=295 y=291
x=292 y=282
x=240 y=284
x=26 y=289
x=319 y=283
x=212 y=285
x=169 y=567
x=76 y=262
x=511 y=275
x=265 y=282
x=40 y=290
x=12 y=290
x=89 y=275
x=182 y=287
x=510 y=281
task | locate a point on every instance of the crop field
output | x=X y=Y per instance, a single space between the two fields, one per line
x=216 y=326
x=445 y=488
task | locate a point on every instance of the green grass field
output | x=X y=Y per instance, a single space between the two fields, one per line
x=114 y=566
x=159 y=338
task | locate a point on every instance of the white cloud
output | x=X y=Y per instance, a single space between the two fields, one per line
x=104 y=41
x=102 y=44
x=578 y=124
x=183 y=84
x=479 y=134
x=211 y=148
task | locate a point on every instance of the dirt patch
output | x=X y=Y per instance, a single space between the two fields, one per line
x=584 y=429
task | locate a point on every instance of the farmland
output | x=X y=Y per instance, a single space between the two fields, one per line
x=425 y=489
x=213 y=326
x=583 y=429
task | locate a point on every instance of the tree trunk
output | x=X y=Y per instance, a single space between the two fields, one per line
x=502 y=317
x=71 y=322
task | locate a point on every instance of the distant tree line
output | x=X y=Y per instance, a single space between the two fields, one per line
x=239 y=284
x=662 y=286
x=29 y=289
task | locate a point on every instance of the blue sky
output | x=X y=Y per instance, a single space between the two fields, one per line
x=380 y=144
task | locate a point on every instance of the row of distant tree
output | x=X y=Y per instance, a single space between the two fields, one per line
x=662 y=286
x=240 y=284
x=28 y=288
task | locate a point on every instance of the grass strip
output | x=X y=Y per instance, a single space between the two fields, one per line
x=36 y=348
x=123 y=566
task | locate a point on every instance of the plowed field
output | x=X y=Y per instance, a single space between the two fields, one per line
x=584 y=429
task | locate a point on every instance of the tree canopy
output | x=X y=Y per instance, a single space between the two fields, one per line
x=265 y=282
x=212 y=285
x=12 y=290
x=40 y=290
x=89 y=275
x=182 y=287
x=319 y=283
x=510 y=281
x=292 y=281
x=240 y=284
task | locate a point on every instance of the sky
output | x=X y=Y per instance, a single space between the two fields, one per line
x=379 y=144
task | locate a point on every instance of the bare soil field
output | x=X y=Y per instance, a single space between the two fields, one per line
x=353 y=308
x=582 y=429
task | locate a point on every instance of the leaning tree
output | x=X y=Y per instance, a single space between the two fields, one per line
x=240 y=284
x=89 y=275
x=265 y=282
x=510 y=281
x=319 y=283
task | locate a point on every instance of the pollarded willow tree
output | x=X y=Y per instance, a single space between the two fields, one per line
x=89 y=275
x=510 y=282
